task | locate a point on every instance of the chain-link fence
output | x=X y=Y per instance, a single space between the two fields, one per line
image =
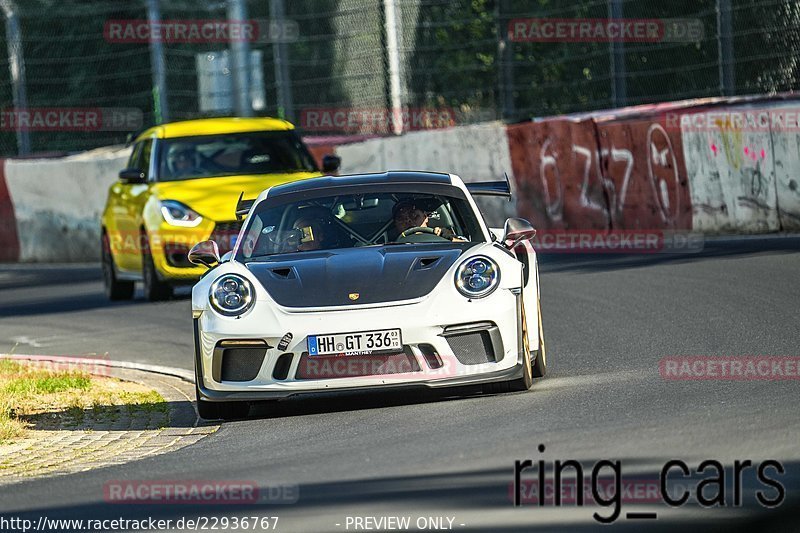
x=81 y=73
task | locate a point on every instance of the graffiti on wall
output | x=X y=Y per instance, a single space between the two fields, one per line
x=584 y=174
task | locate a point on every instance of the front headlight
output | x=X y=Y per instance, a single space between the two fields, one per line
x=477 y=277
x=231 y=295
x=178 y=214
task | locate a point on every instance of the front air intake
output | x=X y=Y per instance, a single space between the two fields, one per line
x=238 y=360
x=475 y=344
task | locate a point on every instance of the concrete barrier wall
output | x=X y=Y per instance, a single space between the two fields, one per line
x=732 y=170
x=476 y=153
x=644 y=174
x=9 y=242
x=676 y=166
x=684 y=165
x=601 y=172
x=786 y=156
x=557 y=171
x=58 y=203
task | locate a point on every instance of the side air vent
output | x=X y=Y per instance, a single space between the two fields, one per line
x=431 y=356
x=282 y=366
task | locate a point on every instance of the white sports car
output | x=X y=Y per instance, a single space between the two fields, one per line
x=367 y=281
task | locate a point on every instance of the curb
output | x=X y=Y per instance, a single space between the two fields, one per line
x=181 y=373
x=102 y=442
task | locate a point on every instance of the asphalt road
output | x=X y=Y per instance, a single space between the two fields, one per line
x=609 y=320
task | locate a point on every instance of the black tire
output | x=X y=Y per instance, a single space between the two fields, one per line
x=221 y=410
x=115 y=289
x=540 y=358
x=155 y=290
x=523 y=383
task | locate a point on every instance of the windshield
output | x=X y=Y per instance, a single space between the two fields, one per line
x=261 y=152
x=353 y=220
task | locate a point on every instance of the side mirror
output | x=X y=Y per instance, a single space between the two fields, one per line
x=331 y=163
x=132 y=175
x=205 y=254
x=517 y=230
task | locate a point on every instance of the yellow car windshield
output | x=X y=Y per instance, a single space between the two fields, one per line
x=261 y=152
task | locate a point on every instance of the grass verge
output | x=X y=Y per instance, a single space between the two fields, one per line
x=33 y=397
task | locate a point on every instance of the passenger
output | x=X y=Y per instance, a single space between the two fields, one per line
x=320 y=231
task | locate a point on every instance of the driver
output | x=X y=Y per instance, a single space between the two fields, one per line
x=182 y=161
x=412 y=224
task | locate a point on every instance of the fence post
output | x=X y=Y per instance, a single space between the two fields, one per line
x=727 y=73
x=240 y=59
x=619 y=88
x=280 y=55
x=505 y=60
x=393 y=54
x=160 y=103
x=16 y=64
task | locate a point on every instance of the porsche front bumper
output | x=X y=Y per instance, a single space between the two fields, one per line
x=428 y=330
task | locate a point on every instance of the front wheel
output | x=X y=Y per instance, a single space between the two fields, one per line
x=523 y=383
x=114 y=288
x=540 y=363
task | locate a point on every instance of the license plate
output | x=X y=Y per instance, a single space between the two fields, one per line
x=360 y=343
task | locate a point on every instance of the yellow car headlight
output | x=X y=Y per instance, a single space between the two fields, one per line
x=177 y=214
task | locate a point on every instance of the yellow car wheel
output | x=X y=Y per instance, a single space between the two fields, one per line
x=115 y=289
x=154 y=289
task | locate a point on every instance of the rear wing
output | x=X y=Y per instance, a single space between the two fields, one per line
x=243 y=207
x=490 y=188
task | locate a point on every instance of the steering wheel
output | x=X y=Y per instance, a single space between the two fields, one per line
x=418 y=229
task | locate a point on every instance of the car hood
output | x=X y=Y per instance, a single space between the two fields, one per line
x=215 y=198
x=375 y=274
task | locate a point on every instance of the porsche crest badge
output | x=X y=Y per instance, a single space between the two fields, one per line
x=354 y=296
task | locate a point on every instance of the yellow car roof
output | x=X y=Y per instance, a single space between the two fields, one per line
x=212 y=126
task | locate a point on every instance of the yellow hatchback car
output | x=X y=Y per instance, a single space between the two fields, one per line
x=181 y=186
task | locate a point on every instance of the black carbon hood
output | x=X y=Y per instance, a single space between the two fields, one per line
x=376 y=274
